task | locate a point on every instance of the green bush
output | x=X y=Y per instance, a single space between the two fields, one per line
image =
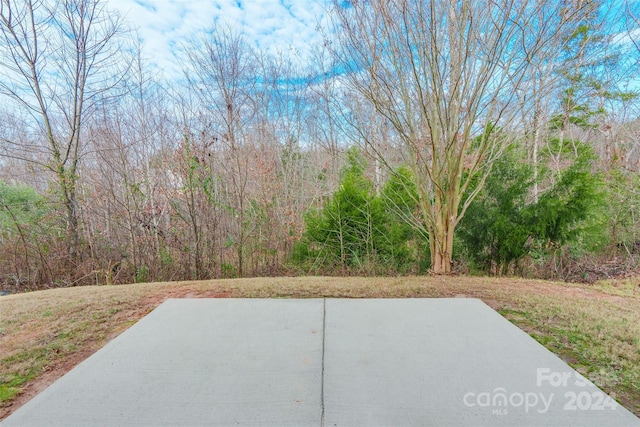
x=27 y=236
x=623 y=205
x=410 y=242
x=496 y=227
x=504 y=223
x=357 y=229
x=572 y=210
x=20 y=207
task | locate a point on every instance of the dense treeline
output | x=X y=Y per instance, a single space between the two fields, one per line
x=253 y=164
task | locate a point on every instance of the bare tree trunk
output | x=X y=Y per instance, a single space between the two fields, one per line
x=222 y=67
x=55 y=50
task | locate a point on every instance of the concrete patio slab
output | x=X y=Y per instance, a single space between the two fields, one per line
x=313 y=362
x=196 y=362
x=449 y=362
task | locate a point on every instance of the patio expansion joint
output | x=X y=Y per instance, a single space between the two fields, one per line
x=324 y=335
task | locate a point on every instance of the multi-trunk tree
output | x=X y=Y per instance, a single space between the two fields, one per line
x=446 y=76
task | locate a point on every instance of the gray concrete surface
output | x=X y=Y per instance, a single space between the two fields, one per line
x=196 y=362
x=448 y=362
x=334 y=362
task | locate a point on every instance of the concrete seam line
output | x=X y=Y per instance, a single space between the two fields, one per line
x=324 y=334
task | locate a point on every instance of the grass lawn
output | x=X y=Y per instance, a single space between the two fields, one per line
x=594 y=328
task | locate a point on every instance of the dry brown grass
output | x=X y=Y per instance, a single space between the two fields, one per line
x=594 y=328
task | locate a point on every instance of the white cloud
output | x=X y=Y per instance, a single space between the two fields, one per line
x=272 y=25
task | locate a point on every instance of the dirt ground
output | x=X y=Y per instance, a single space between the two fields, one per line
x=496 y=293
x=64 y=365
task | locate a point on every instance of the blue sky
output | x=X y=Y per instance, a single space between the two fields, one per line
x=272 y=25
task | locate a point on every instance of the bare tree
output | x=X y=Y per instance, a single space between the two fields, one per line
x=221 y=74
x=58 y=62
x=445 y=75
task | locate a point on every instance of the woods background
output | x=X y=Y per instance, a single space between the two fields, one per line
x=496 y=137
